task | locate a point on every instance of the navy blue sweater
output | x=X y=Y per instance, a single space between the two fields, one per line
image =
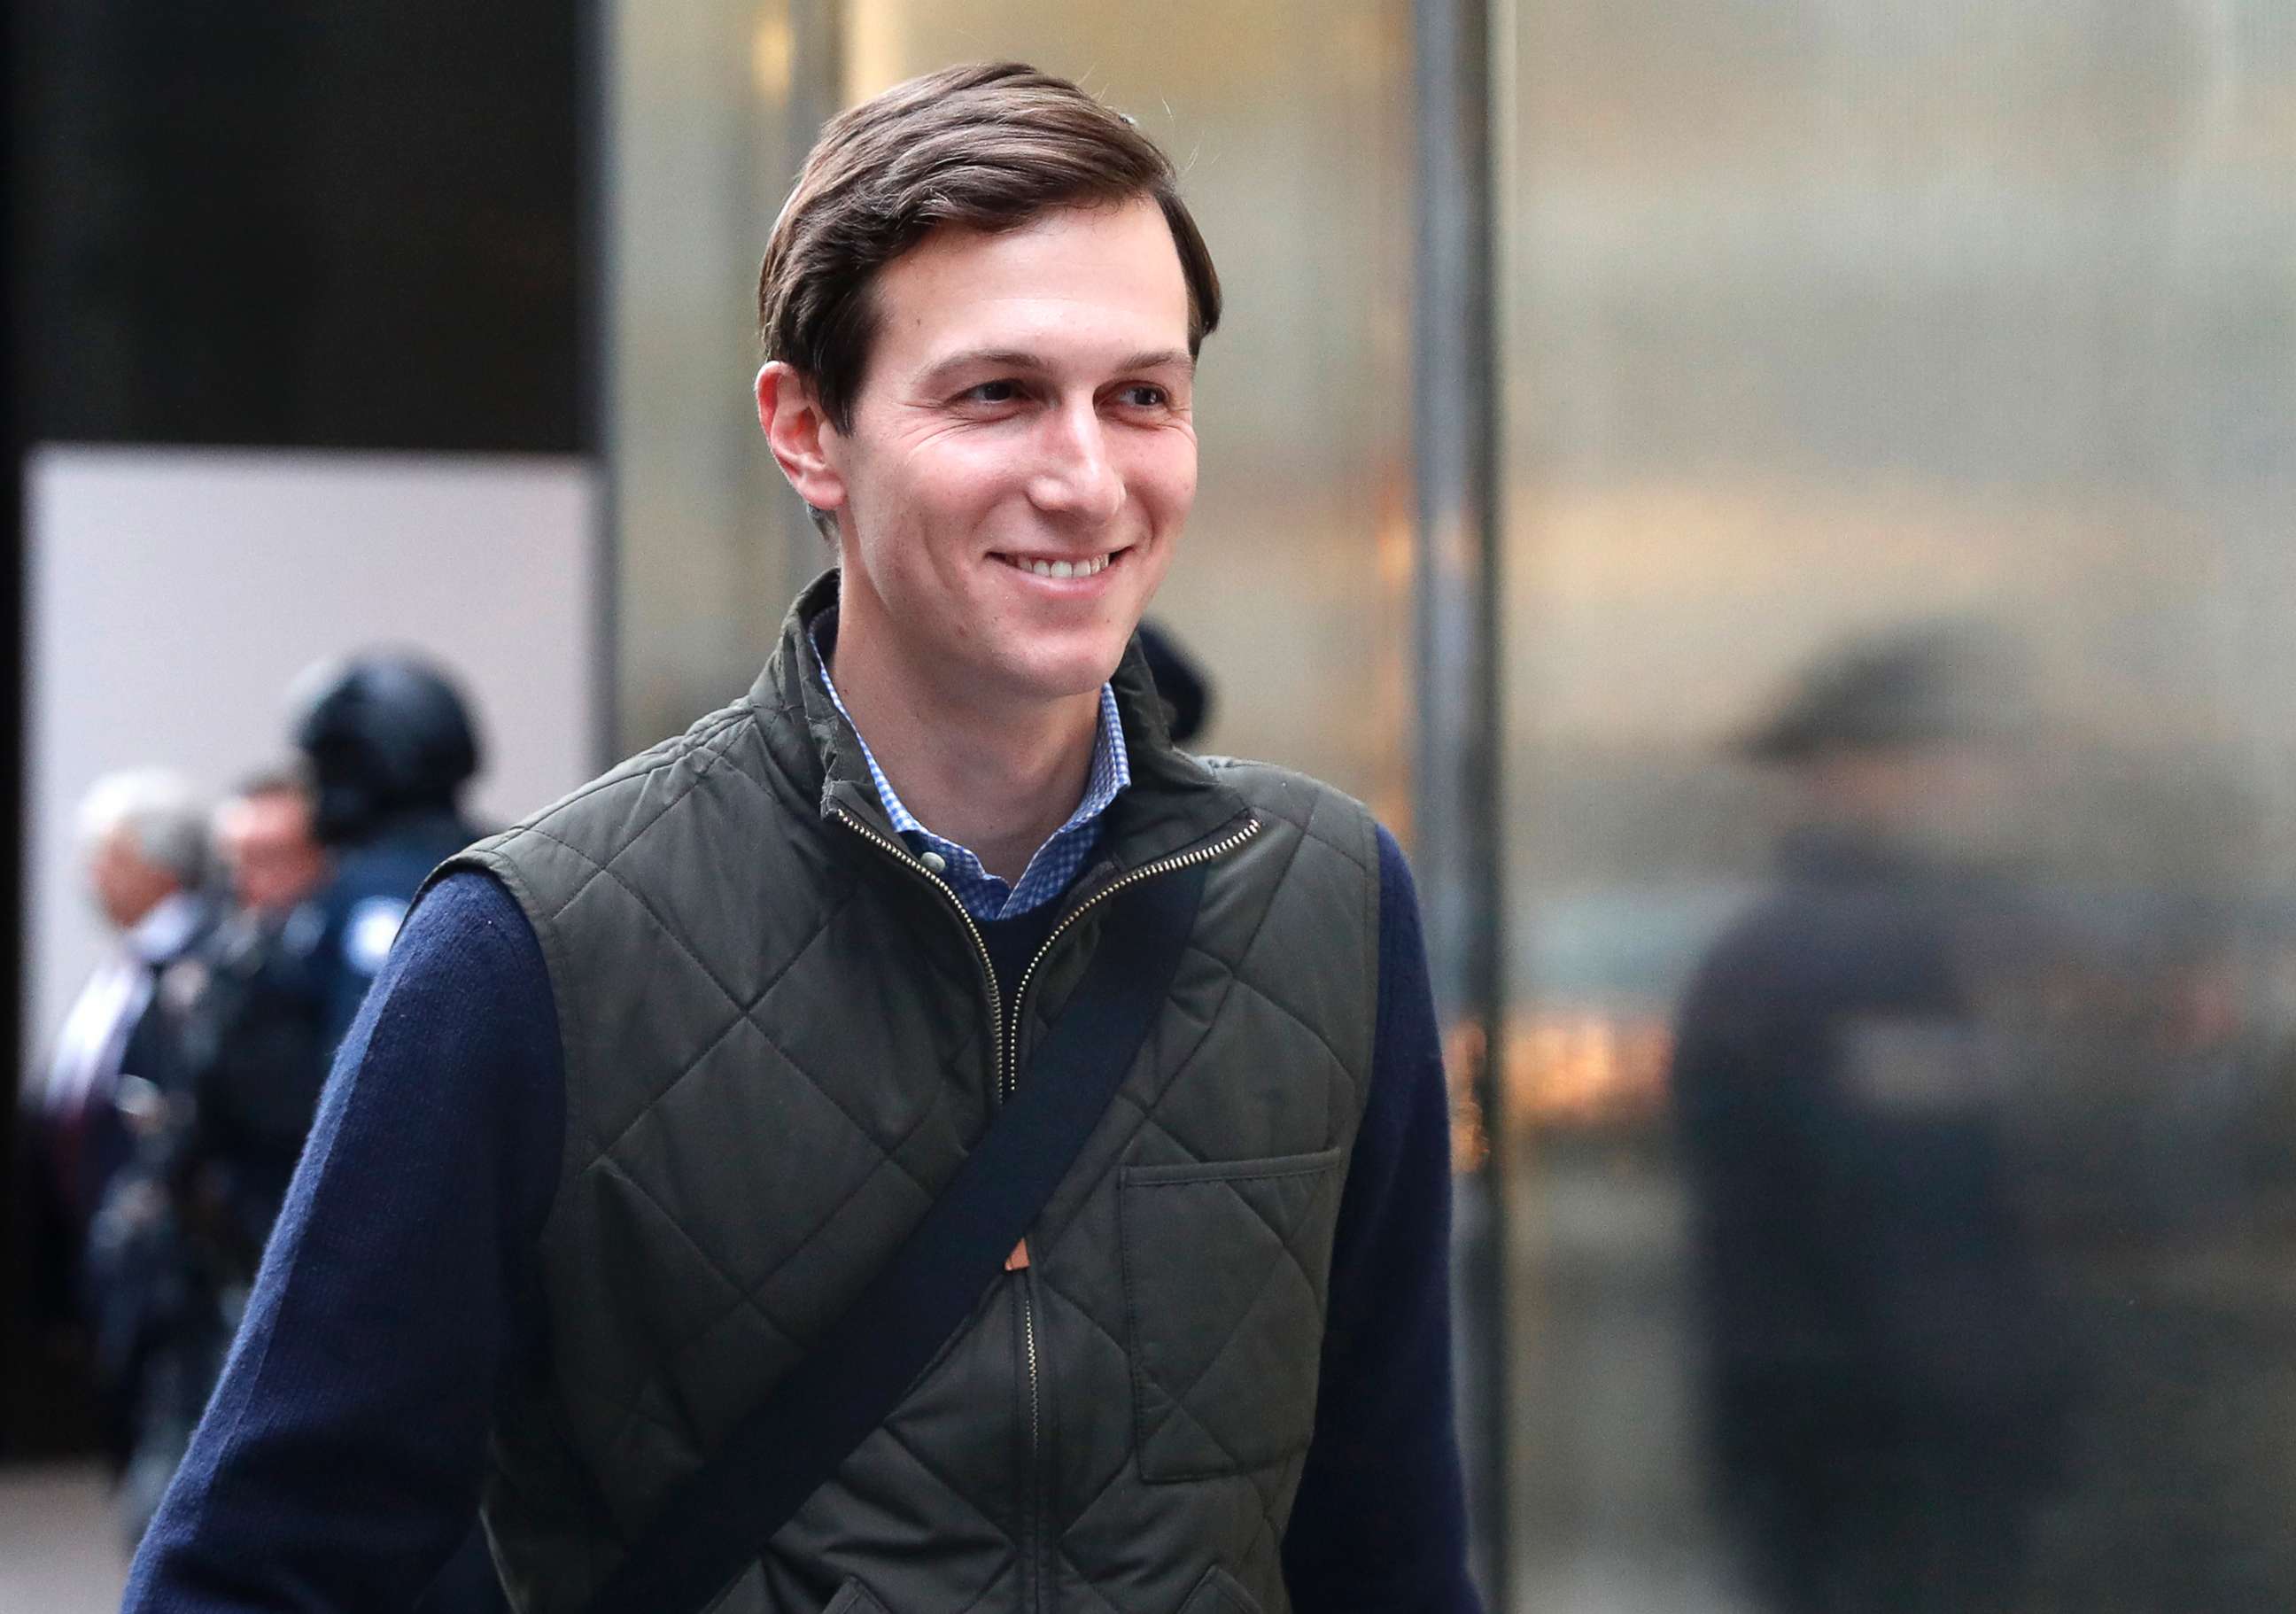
x=338 y=1464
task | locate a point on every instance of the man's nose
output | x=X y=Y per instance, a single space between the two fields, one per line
x=1075 y=477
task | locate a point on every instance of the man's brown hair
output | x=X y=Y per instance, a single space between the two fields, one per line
x=984 y=147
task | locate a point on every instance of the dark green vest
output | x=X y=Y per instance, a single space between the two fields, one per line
x=781 y=1036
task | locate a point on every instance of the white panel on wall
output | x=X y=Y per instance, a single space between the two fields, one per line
x=175 y=594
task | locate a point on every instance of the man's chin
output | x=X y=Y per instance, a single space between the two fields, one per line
x=1050 y=680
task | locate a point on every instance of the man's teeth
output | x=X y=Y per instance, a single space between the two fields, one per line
x=1063 y=569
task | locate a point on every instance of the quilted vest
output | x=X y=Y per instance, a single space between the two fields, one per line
x=780 y=1036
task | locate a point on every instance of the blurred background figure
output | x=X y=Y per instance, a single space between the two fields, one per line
x=143 y=841
x=253 y=1038
x=175 y=1244
x=1886 y=1381
x=320 y=860
x=266 y=835
x=1180 y=681
x=391 y=747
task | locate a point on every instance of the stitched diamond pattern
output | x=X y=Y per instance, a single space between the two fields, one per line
x=759 y=1111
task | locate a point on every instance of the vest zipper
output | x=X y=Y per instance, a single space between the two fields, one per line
x=1040 y=1559
x=1007 y=1080
x=1147 y=871
x=1032 y=1483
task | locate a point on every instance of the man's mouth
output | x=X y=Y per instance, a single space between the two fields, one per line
x=1043 y=566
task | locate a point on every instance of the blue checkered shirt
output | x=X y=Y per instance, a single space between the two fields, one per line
x=1055 y=863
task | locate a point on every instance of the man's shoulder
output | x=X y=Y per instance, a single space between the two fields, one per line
x=1317 y=811
x=595 y=821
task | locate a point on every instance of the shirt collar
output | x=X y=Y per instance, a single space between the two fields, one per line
x=1054 y=864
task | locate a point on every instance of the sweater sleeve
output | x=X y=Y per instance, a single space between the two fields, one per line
x=339 y=1463
x=1380 y=1522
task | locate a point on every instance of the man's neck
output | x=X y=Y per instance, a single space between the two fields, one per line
x=996 y=778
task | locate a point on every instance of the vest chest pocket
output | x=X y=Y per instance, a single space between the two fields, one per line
x=1226 y=1267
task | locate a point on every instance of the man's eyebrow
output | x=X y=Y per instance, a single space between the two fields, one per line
x=1019 y=358
x=1000 y=358
x=1157 y=358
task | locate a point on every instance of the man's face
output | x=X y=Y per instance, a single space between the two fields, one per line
x=1026 y=410
x=1956 y=800
x=127 y=886
x=275 y=861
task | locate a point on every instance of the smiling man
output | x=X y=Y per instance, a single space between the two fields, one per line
x=673 y=1101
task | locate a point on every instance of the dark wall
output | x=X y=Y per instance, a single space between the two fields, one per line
x=351 y=225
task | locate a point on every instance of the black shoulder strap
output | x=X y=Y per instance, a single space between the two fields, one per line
x=713 y=1524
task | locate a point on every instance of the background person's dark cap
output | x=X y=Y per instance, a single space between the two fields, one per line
x=1919 y=686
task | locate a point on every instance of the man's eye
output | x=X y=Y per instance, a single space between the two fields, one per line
x=992 y=393
x=1144 y=396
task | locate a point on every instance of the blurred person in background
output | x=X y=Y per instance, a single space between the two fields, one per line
x=322 y=859
x=142 y=835
x=391 y=748
x=143 y=842
x=1886 y=1381
x=254 y=1042
x=1181 y=683
x=266 y=834
x=175 y=1243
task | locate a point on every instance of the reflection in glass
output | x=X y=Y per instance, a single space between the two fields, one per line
x=1885 y=1371
x=1828 y=323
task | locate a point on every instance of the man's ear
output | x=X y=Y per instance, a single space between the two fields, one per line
x=791 y=416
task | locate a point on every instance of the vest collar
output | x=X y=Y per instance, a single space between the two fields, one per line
x=1173 y=803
